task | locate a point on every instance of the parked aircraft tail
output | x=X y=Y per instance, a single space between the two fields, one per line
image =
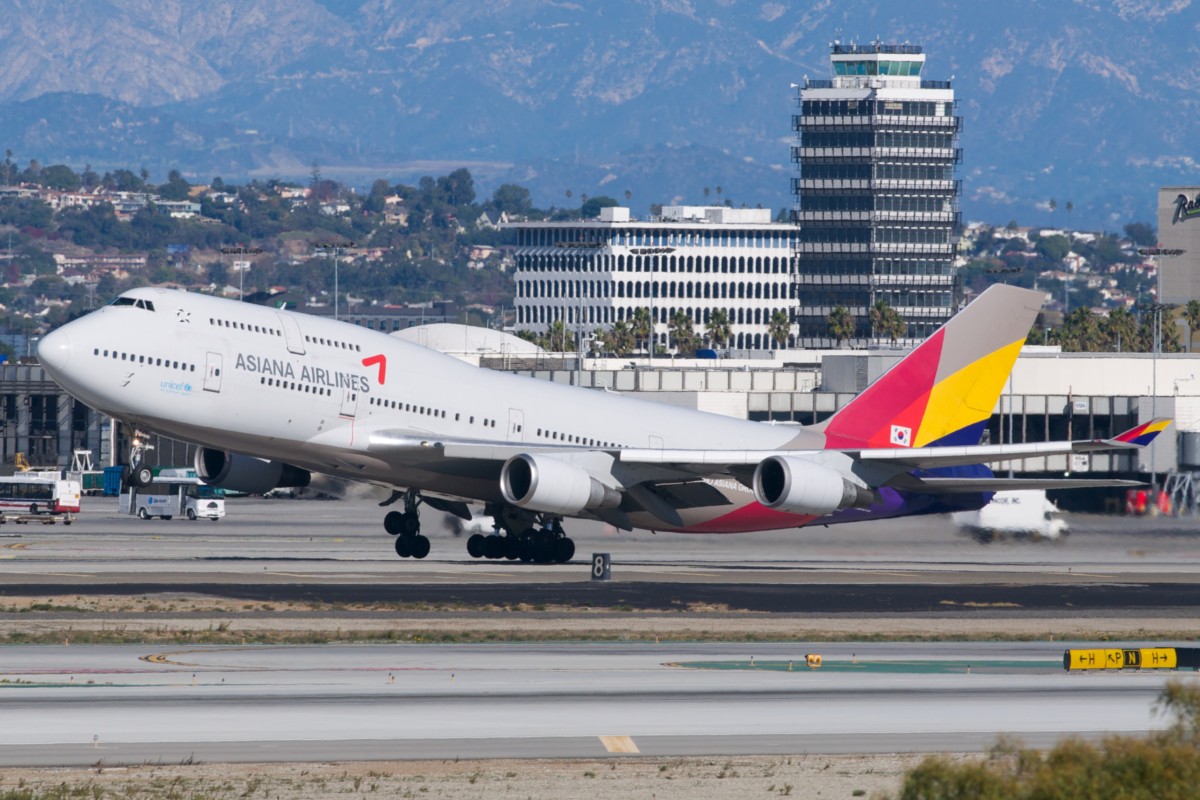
x=944 y=391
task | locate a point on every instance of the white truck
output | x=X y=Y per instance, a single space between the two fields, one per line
x=1018 y=514
x=174 y=493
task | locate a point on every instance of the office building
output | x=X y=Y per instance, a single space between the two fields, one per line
x=593 y=273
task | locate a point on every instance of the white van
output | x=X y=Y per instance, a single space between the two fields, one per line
x=169 y=496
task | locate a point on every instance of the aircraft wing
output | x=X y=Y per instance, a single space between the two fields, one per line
x=673 y=464
x=919 y=485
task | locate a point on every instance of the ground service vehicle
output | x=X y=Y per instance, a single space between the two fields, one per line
x=39 y=493
x=171 y=495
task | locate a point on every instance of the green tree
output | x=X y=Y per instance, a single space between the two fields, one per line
x=618 y=340
x=176 y=188
x=718 y=328
x=459 y=187
x=642 y=327
x=779 y=328
x=886 y=321
x=559 y=339
x=1121 y=331
x=841 y=324
x=1169 y=332
x=592 y=205
x=1141 y=233
x=512 y=199
x=61 y=177
x=1191 y=313
x=1082 y=333
x=1055 y=247
x=683 y=333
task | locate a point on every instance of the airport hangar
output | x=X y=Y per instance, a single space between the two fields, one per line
x=1052 y=396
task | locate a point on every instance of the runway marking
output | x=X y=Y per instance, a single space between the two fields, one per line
x=62 y=574
x=619 y=744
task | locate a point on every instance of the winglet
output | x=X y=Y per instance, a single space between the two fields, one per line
x=1143 y=434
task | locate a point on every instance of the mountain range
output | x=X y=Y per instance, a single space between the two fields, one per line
x=1090 y=102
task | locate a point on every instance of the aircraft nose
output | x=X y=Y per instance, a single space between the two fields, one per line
x=54 y=351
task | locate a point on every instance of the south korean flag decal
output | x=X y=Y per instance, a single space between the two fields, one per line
x=901 y=436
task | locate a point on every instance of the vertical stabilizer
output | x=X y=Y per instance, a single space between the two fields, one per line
x=944 y=391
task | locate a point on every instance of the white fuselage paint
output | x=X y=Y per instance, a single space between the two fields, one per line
x=292 y=387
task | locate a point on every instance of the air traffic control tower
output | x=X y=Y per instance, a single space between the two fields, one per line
x=876 y=199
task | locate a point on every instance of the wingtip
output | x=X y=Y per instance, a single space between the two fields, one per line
x=1145 y=433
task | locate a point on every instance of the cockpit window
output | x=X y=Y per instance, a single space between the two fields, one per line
x=132 y=301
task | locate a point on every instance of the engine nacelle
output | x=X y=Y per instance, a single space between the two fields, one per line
x=802 y=486
x=245 y=473
x=541 y=483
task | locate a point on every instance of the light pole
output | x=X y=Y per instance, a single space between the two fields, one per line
x=1157 y=309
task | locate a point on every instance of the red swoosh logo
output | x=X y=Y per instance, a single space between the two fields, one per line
x=381 y=360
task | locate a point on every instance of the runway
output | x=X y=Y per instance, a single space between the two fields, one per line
x=331 y=561
x=133 y=704
x=336 y=552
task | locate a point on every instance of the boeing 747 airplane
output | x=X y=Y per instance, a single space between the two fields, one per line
x=272 y=396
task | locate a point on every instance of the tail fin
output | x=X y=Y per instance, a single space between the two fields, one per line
x=1143 y=434
x=943 y=392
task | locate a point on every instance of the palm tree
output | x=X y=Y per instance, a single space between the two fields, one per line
x=618 y=340
x=779 y=328
x=1191 y=313
x=1053 y=205
x=718 y=328
x=559 y=339
x=841 y=324
x=1081 y=332
x=1120 y=330
x=886 y=321
x=642 y=327
x=683 y=331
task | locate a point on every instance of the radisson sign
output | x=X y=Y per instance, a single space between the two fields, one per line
x=1186 y=209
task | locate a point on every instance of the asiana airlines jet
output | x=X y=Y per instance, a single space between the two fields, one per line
x=272 y=396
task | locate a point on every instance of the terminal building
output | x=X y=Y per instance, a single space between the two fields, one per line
x=876 y=199
x=590 y=274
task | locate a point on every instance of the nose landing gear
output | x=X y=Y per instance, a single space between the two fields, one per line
x=406 y=527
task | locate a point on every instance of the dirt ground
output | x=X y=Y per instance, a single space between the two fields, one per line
x=193 y=618
x=663 y=779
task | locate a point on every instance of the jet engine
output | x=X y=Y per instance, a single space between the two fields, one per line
x=802 y=486
x=245 y=473
x=541 y=483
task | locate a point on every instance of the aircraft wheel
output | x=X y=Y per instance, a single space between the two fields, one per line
x=475 y=545
x=391 y=522
x=493 y=547
x=564 y=550
x=141 y=476
x=410 y=523
x=512 y=548
x=420 y=546
x=404 y=547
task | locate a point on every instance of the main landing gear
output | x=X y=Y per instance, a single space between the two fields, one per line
x=406 y=527
x=522 y=540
